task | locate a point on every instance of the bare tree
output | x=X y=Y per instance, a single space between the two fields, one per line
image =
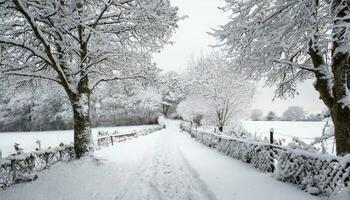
x=173 y=88
x=80 y=44
x=228 y=96
x=287 y=41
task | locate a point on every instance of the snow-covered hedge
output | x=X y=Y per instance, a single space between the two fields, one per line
x=24 y=167
x=312 y=172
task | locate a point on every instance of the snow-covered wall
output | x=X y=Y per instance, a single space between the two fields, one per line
x=24 y=167
x=107 y=138
x=312 y=172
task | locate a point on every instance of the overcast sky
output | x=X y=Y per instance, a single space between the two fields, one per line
x=191 y=40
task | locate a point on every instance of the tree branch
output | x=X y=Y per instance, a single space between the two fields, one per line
x=323 y=76
x=32 y=76
x=293 y=64
x=114 y=79
x=26 y=47
x=41 y=38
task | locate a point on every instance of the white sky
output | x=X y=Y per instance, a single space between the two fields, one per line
x=191 y=39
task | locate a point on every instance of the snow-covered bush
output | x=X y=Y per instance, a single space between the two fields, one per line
x=238 y=131
x=298 y=144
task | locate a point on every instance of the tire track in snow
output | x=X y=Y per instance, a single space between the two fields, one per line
x=166 y=175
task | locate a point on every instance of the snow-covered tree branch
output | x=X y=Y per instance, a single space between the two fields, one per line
x=287 y=41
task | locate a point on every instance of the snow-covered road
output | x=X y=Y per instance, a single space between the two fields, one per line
x=164 y=165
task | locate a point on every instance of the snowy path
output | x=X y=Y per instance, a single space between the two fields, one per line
x=164 y=165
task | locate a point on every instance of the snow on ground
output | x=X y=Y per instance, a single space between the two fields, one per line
x=50 y=138
x=285 y=128
x=164 y=165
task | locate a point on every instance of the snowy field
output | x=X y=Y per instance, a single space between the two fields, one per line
x=166 y=165
x=50 y=138
x=286 y=129
x=306 y=131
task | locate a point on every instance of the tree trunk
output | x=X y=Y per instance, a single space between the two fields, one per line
x=341 y=121
x=333 y=87
x=165 y=110
x=80 y=101
x=82 y=125
x=340 y=110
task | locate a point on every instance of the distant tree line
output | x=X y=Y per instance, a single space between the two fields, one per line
x=293 y=113
x=39 y=105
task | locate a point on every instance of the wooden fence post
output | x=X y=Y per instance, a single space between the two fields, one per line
x=112 y=140
x=211 y=141
x=191 y=129
x=272 y=159
x=271 y=135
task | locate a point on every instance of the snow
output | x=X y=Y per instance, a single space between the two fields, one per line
x=344 y=195
x=290 y=128
x=285 y=129
x=27 y=140
x=164 y=165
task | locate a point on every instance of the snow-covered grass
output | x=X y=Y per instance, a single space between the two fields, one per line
x=27 y=140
